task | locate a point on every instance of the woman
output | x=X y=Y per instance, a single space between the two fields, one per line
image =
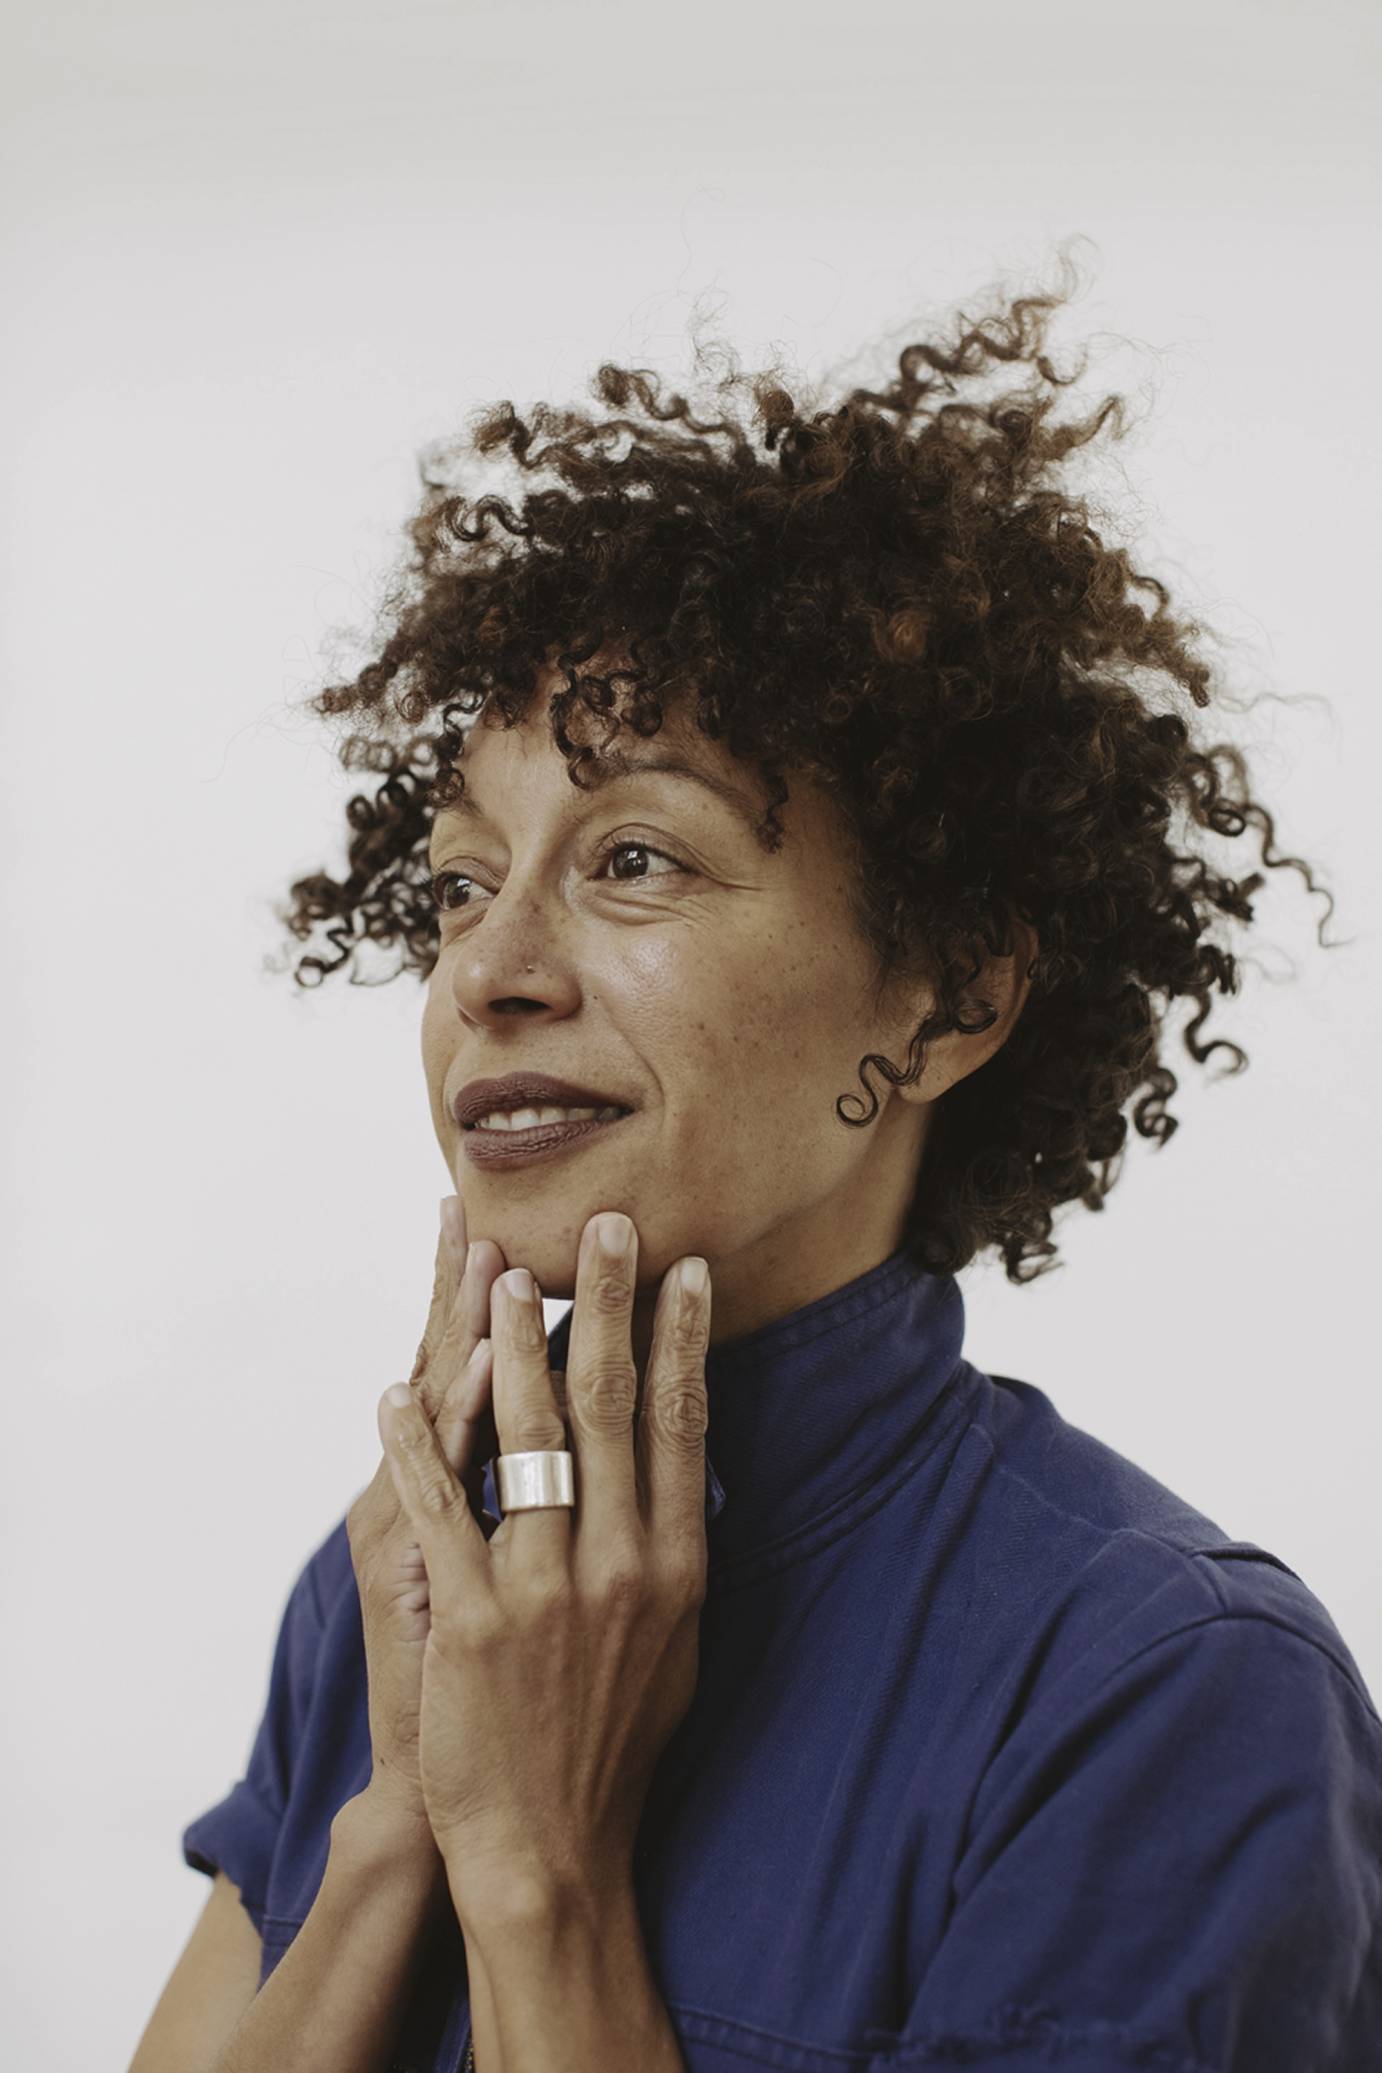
x=821 y=1701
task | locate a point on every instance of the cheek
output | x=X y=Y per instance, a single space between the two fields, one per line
x=779 y=1036
x=437 y=1044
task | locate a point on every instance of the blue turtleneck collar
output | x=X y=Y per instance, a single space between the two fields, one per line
x=816 y=1404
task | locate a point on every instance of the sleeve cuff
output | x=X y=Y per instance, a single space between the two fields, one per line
x=238 y=1837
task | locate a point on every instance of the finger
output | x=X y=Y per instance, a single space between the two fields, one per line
x=465 y=1425
x=447 y=1272
x=464 y=1421
x=602 y=1376
x=525 y=1410
x=485 y=1264
x=485 y=1444
x=465 y=1322
x=465 y=1429
x=670 y=1446
x=437 y=1508
x=468 y=1326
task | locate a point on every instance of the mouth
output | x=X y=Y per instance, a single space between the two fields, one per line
x=504 y=1146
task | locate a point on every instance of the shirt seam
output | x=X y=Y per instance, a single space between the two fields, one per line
x=1195 y=1560
x=1109 y=1533
x=1120 y=1669
x=1009 y=2025
x=1266 y=1619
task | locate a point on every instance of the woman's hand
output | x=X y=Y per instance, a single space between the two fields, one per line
x=451 y=1384
x=563 y=1652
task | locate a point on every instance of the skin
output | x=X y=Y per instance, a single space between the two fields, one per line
x=726 y=996
x=722 y=992
x=560 y=1655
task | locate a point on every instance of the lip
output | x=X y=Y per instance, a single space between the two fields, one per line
x=522 y=1147
x=525 y=1090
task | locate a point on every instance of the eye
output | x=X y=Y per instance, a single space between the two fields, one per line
x=614 y=849
x=443 y=881
x=440 y=881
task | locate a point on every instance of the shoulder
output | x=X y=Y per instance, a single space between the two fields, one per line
x=1110 y=1562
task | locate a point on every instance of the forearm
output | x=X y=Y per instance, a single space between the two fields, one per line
x=565 y=1987
x=335 y=2000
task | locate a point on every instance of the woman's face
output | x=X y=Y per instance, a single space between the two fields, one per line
x=721 y=993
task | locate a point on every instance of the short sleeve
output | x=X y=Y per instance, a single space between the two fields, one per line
x=1181 y=1869
x=239 y=1834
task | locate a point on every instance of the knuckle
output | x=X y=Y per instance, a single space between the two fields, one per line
x=414 y=1434
x=478 y=1624
x=688 y=1326
x=609 y=1291
x=679 y=1412
x=435 y=1497
x=536 y=1431
x=470 y=1621
x=621 y=1581
x=543 y=1594
x=527 y=1325
x=682 y=1582
x=609 y=1394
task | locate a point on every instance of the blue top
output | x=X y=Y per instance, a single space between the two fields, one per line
x=1001 y=1755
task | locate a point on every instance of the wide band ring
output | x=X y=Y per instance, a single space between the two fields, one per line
x=538 y=1481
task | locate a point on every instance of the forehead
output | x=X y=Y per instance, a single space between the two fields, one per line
x=671 y=759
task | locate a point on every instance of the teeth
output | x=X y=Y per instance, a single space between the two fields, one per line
x=528 y=1118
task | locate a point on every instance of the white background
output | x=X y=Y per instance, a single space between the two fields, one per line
x=254 y=259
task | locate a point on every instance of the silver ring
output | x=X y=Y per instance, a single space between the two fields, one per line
x=542 y=1480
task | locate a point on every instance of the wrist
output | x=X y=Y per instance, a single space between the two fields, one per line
x=375 y=1827
x=517 y=1900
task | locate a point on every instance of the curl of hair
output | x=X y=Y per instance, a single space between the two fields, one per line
x=897 y=595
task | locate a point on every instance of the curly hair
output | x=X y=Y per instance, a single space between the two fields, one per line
x=895 y=596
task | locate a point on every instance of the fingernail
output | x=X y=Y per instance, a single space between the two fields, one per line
x=615 y=1233
x=519 y=1284
x=450 y=1225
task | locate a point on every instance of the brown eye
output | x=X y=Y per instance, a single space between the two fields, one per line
x=440 y=882
x=445 y=882
x=645 y=849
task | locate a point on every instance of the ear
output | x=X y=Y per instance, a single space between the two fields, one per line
x=1004 y=983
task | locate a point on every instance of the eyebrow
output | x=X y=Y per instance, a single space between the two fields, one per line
x=616 y=767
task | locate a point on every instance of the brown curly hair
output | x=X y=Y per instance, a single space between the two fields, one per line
x=895 y=596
